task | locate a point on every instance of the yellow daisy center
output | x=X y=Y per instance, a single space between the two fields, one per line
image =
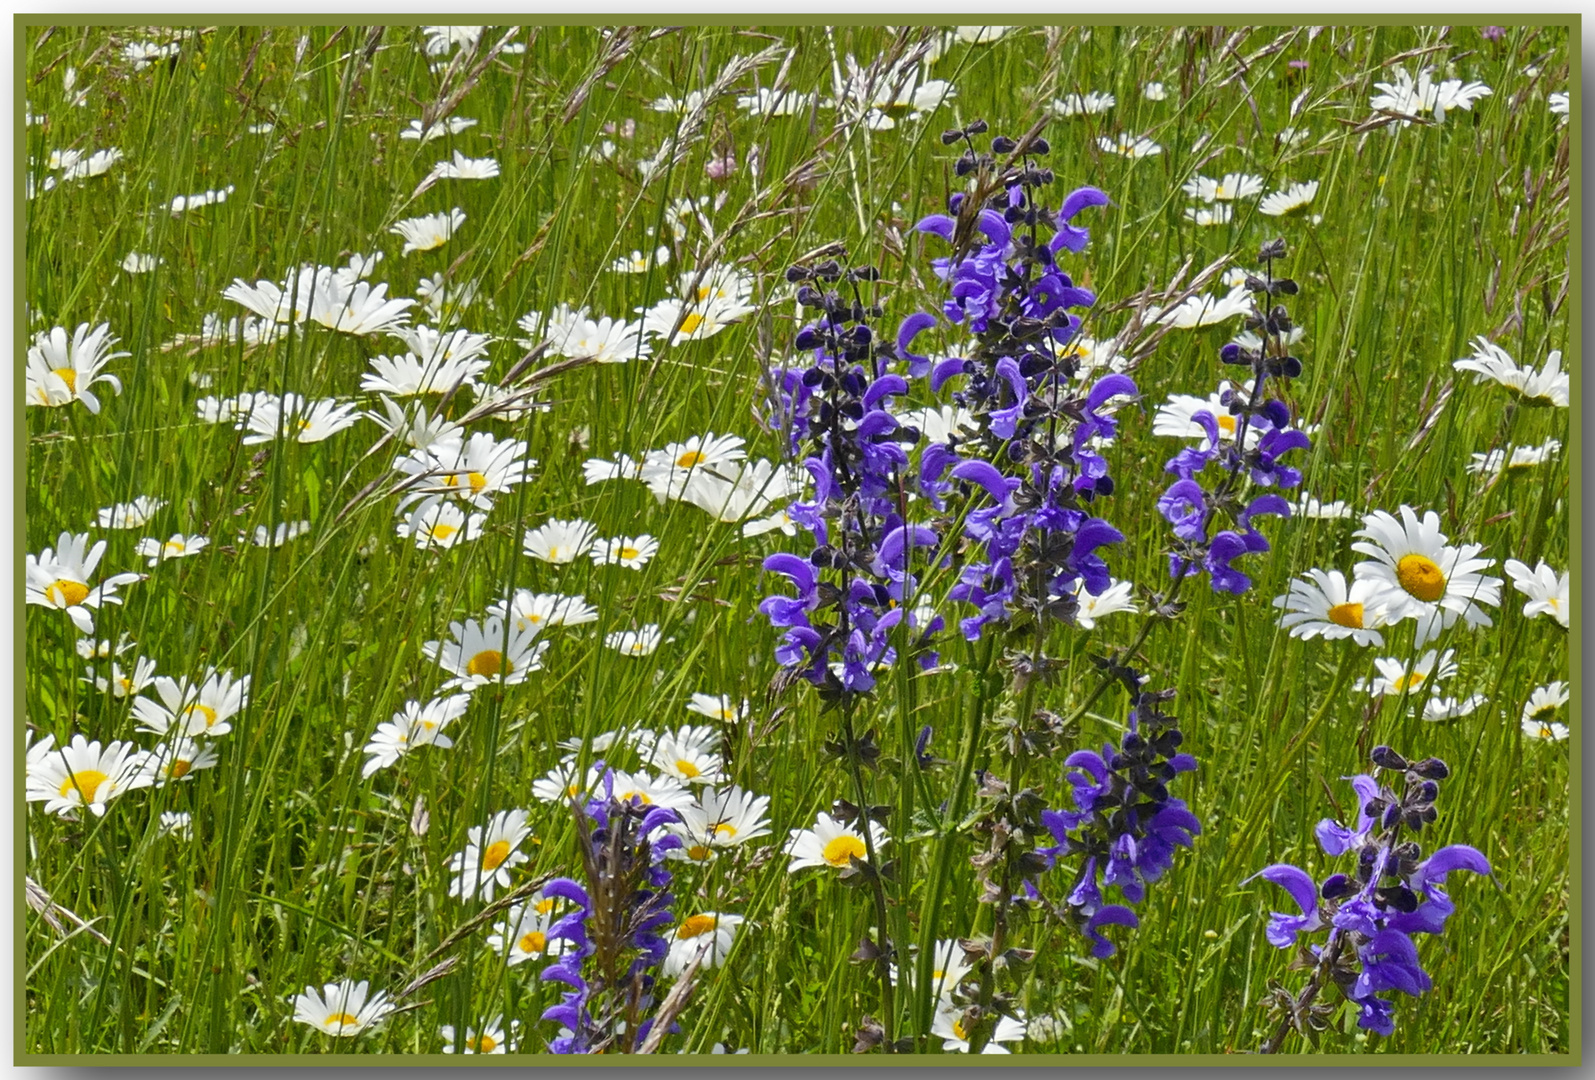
x=526 y=622
x=180 y=769
x=204 y=710
x=699 y=852
x=340 y=1020
x=483 y=1044
x=694 y=925
x=958 y=1030
x=689 y=459
x=725 y=829
x=488 y=663
x=64 y=593
x=1348 y=615
x=87 y=782
x=68 y=376
x=1226 y=424
x=1407 y=682
x=478 y=482
x=1419 y=575
x=1546 y=732
x=691 y=323
x=686 y=768
x=126 y=684
x=174 y=547
x=544 y=906
x=629 y=552
x=440 y=531
x=840 y=852
x=496 y=853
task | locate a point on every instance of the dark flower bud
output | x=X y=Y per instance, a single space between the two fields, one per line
x=809 y=296
x=1290 y=367
x=950 y=136
x=1383 y=756
x=864 y=273
x=1255 y=284
x=1428 y=791
x=796 y=273
x=1336 y=886
x=1431 y=769
x=976 y=127
x=1274 y=249
x=964 y=166
x=1286 y=287
x=1002 y=144
x=1038 y=145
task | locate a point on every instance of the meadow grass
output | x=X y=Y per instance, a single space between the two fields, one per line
x=300 y=871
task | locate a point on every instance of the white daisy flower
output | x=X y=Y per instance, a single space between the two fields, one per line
x=704 y=938
x=491 y=852
x=178 y=547
x=1549 y=593
x=357 y=308
x=948 y=1024
x=722 y=818
x=122 y=683
x=606 y=341
x=343 y=1009
x=490 y=1040
x=177 y=759
x=414 y=725
x=523 y=933
x=139 y=263
x=539 y=611
x=1130 y=146
x=416 y=429
x=178 y=824
x=1414 y=97
x=563 y=783
x=1439 y=708
x=441 y=40
x=478 y=655
x=436 y=523
x=638 y=263
x=1177 y=417
x=718 y=707
x=688 y=760
x=183 y=203
x=452 y=125
x=651 y=791
x=1088 y=104
x=643 y=641
x=1549 y=386
x=1496 y=462
x=429 y=231
x=286 y=531
x=205 y=709
x=1309 y=507
x=1219 y=214
x=81 y=774
x=1202 y=310
x=1288 y=200
x=831 y=844
x=632 y=552
x=297 y=419
x=408 y=375
x=1541 y=707
x=948 y=969
x=61 y=370
x=667 y=471
x=465 y=168
x=90 y=649
x=130 y=515
x=1422 y=677
x=474 y=471
x=731 y=493
x=1321 y=604
x=1559 y=105
x=1154 y=91
x=1232 y=186
x=598 y=470
x=559 y=542
x=59 y=578
x=1421 y=576
x=1114 y=599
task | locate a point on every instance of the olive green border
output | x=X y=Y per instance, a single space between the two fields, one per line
x=1573 y=22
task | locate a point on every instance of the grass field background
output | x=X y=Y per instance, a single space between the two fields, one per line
x=300 y=871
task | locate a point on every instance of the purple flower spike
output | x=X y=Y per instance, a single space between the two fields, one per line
x=1112 y=915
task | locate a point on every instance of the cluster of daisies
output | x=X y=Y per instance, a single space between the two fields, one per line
x=712 y=473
